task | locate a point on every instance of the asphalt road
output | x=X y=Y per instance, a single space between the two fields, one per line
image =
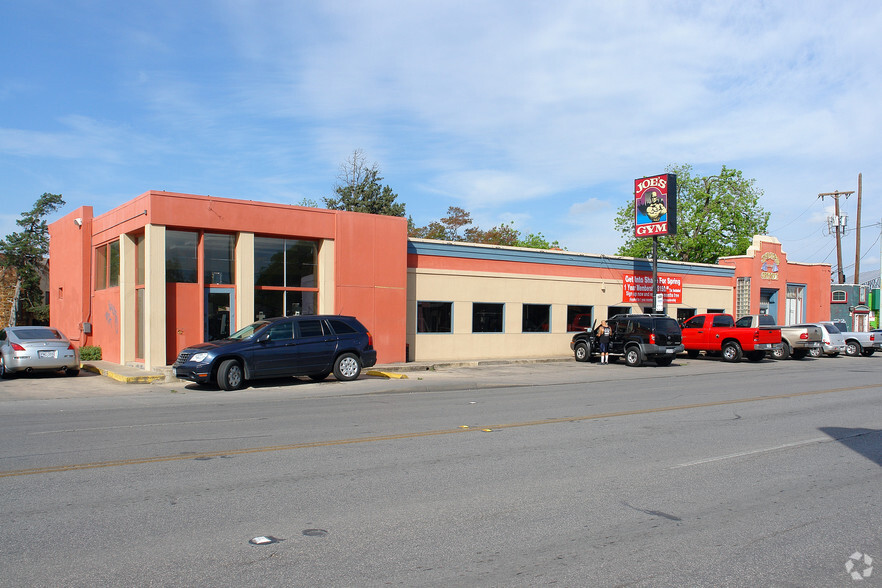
x=698 y=474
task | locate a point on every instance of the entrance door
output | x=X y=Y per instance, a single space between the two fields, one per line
x=219 y=313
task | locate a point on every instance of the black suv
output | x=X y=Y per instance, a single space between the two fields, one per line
x=637 y=337
x=313 y=346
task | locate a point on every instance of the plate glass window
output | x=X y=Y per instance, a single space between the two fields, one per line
x=487 y=317
x=434 y=317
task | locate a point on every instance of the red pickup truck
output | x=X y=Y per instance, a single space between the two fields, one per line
x=717 y=333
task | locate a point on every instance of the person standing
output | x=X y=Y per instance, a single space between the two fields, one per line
x=603 y=333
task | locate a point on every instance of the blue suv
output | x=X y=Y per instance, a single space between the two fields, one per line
x=313 y=346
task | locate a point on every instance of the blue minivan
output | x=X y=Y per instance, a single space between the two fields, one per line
x=313 y=346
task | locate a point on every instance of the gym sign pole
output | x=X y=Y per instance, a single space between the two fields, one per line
x=655 y=213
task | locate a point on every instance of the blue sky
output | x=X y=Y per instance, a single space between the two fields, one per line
x=537 y=112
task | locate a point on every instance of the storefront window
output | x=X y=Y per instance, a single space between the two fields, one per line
x=180 y=257
x=487 y=317
x=579 y=318
x=434 y=317
x=107 y=266
x=285 y=277
x=219 y=256
x=536 y=318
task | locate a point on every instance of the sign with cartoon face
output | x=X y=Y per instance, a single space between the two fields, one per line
x=655 y=206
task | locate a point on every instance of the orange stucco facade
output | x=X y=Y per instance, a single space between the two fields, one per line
x=791 y=292
x=119 y=281
x=361 y=271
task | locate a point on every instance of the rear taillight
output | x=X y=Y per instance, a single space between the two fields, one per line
x=370 y=339
x=803 y=335
x=17 y=347
x=755 y=336
x=70 y=347
x=872 y=337
x=652 y=338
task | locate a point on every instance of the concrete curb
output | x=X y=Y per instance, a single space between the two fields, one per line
x=125 y=379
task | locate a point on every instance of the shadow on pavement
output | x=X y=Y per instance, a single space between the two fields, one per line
x=867 y=442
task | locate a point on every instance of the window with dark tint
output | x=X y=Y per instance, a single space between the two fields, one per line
x=341 y=327
x=218 y=258
x=723 y=321
x=614 y=310
x=536 y=318
x=716 y=310
x=310 y=328
x=830 y=329
x=434 y=317
x=666 y=326
x=487 y=317
x=694 y=323
x=579 y=318
x=685 y=313
x=180 y=257
x=281 y=331
x=39 y=333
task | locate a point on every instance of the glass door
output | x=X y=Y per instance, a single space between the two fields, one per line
x=219 y=313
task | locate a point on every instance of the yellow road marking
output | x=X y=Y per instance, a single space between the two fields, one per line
x=356 y=440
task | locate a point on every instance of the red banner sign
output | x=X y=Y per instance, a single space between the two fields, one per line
x=637 y=288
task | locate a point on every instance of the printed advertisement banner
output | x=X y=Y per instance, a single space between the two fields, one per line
x=637 y=288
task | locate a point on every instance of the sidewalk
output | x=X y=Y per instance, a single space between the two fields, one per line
x=135 y=375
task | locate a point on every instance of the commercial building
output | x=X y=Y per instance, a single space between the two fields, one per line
x=168 y=270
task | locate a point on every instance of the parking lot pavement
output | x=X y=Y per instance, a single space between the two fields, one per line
x=413 y=378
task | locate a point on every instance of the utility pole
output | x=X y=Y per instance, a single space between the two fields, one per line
x=857 y=236
x=837 y=222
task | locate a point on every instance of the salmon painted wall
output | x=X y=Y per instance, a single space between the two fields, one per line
x=757 y=264
x=371 y=278
x=69 y=274
x=369 y=264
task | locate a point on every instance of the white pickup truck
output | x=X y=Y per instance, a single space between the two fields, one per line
x=864 y=343
x=797 y=341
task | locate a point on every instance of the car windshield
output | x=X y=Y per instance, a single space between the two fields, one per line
x=246 y=332
x=34 y=333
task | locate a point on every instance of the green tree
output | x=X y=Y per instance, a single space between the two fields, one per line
x=26 y=252
x=358 y=189
x=457 y=226
x=716 y=216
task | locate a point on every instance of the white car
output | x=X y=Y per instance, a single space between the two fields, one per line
x=834 y=342
x=29 y=349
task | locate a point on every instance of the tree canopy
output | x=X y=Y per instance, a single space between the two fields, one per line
x=457 y=226
x=716 y=216
x=26 y=251
x=358 y=189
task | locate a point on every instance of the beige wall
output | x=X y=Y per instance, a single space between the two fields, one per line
x=463 y=288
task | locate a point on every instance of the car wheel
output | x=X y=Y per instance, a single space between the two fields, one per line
x=816 y=352
x=755 y=356
x=229 y=375
x=71 y=372
x=582 y=352
x=868 y=352
x=632 y=357
x=799 y=354
x=692 y=353
x=664 y=361
x=852 y=348
x=4 y=373
x=347 y=367
x=732 y=352
x=782 y=353
x=319 y=377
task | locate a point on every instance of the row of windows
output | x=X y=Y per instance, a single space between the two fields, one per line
x=283 y=268
x=488 y=317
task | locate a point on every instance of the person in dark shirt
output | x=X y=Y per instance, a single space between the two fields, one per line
x=603 y=332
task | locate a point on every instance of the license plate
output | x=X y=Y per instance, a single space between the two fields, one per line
x=669 y=350
x=46 y=354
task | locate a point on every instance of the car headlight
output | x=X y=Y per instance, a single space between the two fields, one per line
x=199 y=357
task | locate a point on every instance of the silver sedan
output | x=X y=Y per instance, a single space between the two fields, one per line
x=27 y=349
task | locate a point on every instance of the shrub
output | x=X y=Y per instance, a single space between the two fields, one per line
x=90 y=353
